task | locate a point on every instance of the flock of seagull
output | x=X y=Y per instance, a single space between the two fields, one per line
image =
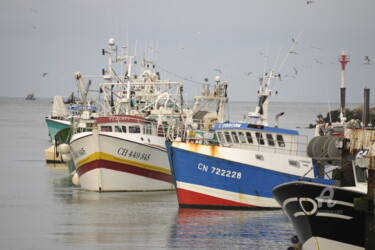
x=366 y=59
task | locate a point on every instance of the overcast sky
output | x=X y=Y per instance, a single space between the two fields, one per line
x=194 y=38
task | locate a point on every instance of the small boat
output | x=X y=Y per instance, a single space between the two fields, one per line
x=30 y=96
x=241 y=164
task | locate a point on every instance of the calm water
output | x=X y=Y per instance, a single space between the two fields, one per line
x=41 y=209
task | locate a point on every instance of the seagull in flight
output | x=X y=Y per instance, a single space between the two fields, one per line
x=183 y=46
x=367 y=61
x=44 y=74
x=218 y=70
x=310 y=1
x=248 y=73
x=317 y=60
x=293 y=52
x=262 y=54
x=295 y=71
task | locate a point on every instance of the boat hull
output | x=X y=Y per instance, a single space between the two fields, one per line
x=323 y=216
x=55 y=125
x=107 y=162
x=219 y=177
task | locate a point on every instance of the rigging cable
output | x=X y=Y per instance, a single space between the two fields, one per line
x=184 y=78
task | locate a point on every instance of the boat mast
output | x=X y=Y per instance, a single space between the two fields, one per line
x=261 y=111
x=128 y=87
x=109 y=76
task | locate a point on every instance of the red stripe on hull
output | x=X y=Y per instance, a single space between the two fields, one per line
x=186 y=197
x=124 y=168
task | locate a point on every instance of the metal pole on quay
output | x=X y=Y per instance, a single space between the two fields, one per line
x=370 y=223
x=366 y=203
x=370 y=218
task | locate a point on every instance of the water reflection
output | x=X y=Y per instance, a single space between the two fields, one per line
x=197 y=228
x=153 y=220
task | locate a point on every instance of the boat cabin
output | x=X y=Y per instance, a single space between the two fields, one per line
x=129 y=124
x=257 y=137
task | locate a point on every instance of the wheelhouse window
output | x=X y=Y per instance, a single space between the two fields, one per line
x=120 y=129
x=134 y=129
x=249 y=137
x=227 y=137
x=234 y=136
x=147 y=129
x=294 y=163
x=259 y=137
x=160 y=131
x=280 y=141
x=106 y=128
x=270 y=140
x=221 y=137
x=241 y=137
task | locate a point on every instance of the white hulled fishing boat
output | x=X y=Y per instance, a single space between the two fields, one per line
x=126 y=151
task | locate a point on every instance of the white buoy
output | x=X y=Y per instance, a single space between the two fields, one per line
x=63 y=148
x=75 y=180
x=66 y=157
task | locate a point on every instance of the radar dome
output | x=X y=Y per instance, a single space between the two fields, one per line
x=111 y=41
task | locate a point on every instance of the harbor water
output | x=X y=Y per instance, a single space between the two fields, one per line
x=40 y=208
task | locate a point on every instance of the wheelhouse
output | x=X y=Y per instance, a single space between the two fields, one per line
x=129 y=124
x=257 y=137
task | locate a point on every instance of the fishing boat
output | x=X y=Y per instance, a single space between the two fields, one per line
x=242 y=163
x=64 y=112
x=30 y=96
x=326 y=216
x=126 y=151
x=323 y=216
x=58 y=119
x=334 y=216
